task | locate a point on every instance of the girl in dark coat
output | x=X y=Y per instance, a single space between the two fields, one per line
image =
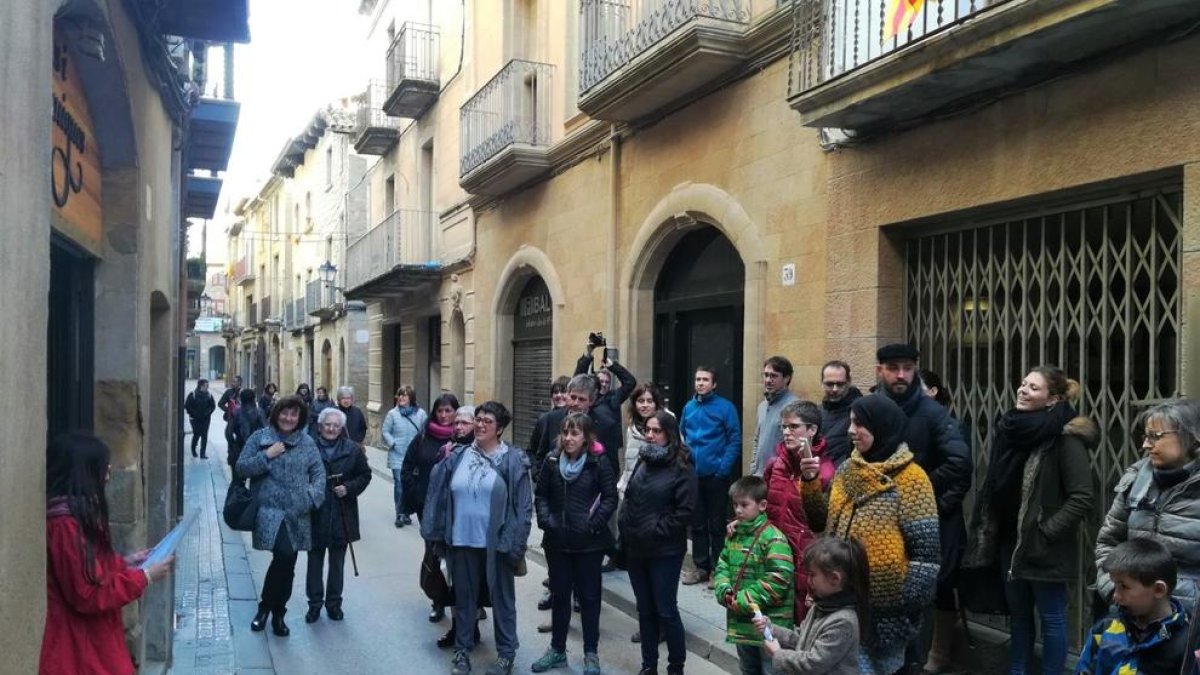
x=576 y=493
x=335 y=524
x=654 y=520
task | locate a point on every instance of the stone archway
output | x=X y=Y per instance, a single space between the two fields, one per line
x=458 y=355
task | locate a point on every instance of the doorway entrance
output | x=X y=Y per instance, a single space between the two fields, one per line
x=69 y=339
x=698 y=311
x=533 y=329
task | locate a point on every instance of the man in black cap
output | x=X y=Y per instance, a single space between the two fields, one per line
x=936 y=442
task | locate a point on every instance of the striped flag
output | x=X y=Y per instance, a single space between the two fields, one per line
x=900 y=15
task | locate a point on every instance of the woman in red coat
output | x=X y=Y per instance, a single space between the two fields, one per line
x=800 y=422
x=87 y=581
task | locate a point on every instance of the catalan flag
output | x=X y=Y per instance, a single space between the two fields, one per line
x=900 y=15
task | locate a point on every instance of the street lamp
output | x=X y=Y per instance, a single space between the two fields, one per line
x=205 y=304
x=328 y=273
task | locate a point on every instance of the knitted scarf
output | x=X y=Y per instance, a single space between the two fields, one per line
x=569 y=468
x=1018 y=433
x=442 y=432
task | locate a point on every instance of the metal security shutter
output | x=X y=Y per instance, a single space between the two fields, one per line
x=531 y=386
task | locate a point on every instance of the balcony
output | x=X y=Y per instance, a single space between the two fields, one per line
x=243 y=272
x=264 y=311
x=641 y=55
x=196 y=277
x=230 y=328
x=319 y=301
x=374 y=132
x=953 y=54
x=382 y=262
x=295 y=318
x=375 y=253
x=504 y=129
x=412 y=71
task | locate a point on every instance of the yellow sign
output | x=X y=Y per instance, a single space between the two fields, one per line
x=74 y=154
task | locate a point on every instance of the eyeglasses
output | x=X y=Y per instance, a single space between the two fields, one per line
x=1156 y=436
x=795 y=427
x=485 y=421
x=834 y=385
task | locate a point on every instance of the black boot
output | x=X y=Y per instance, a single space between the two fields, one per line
x=335 y=612
x=193 y=451
x=278 y=627
x=314 y=613
x=260 y=619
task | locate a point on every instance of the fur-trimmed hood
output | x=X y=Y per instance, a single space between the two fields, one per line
x=1084 y=429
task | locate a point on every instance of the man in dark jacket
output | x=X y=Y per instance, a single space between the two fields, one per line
x=558 y=399
x=936 y=442
x=356 y=422
x=611 y=399
x=835 y=409
x=582 y=396
x=199 y=407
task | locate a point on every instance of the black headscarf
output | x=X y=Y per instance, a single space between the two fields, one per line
x=885 y=420
x=1018 y=433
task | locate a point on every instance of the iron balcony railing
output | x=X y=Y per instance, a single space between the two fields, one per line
x=318 y=298
x=374 y=253
x=413 y=55
x=513 y=108
x=370 y=113
x=252 y=314
x=833 y=37
x=614 y=32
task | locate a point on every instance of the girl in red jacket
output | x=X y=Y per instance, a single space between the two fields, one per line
x=87 y=581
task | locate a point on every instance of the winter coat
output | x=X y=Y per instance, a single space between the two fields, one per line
x=84 y=631
x=512 y=506
x=765 y=584
x=249 y=419
x=540 y=439
x=767 y=434
x=574 y=515
x=656 y=513
x=711 y=429
x=634 y=440
x=1110 y=650
x=825 y=643
x=785 y=508
x=888 y=506
x=356 y=424
x=835 y=426
x=265 y=403
x=200 y=405
x=288 y=488
x=1171 y=517
x=229 y=402
x=422 y=455
x=1056 y=495
x=349 y=459
x=399 y=430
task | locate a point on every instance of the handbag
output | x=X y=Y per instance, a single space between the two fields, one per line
x=241 y=507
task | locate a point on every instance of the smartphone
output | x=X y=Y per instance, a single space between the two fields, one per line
x=805 y=449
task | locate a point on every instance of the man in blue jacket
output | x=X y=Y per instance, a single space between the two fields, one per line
x=711 y=428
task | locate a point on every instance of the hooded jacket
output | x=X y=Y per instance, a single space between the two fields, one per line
x=766 y=433
x=711 y=428
x=573 y=515
x=835 y=426
x=1056 y=494
x=785 y=508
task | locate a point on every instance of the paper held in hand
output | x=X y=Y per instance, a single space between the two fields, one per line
x=164 y=548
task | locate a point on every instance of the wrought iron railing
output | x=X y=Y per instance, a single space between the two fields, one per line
x=614 y=32
x=370 y=109
x=252 y=314
x=374 y=253
x=318 y=296
x=514 y=107
x=413 y=55
x=834 y=37
x=289 y=314
x=243 y=269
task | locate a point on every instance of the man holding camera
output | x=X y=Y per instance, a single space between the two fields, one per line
x=606 y=409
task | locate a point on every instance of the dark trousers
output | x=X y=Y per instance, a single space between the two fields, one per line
x=329 y=593
x=655 y=583
x=200 y=435
x=277 y=585
x=708 y=525
x=580 y=573
x=468 y=570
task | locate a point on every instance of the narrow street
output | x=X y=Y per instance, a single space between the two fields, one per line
x=218 y=575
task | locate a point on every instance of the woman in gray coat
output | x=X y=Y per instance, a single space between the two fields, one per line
x=1159 y=497
x=287 y=478
x=478 y=513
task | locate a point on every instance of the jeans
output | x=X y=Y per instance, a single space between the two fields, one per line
x=398 y=492
x=277 y=584
x=468 y=569
x=200 y=435
x=708 y=524
x=1051 y=601
x=330 y=593
x=578 y=573
x=655 y=583
x=754 y=661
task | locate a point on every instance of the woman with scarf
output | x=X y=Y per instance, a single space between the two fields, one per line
x=402 y=425
x=288 y=478
x=1029 y=510
x=424 y=452
x=87 y=581
x=335 y=524
x=881 y=497
x=800 y=424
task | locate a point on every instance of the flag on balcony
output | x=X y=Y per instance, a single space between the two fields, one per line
x=900 y=15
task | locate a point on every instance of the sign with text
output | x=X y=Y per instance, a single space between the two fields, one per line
x=535 y=314
x=74 y=154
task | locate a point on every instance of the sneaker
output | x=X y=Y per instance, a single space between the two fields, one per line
x=461 y=665
x=546 y=602
x=591 y=664
x=551 y=659
x=697 y=576
x=502 y=666
x=399 y=522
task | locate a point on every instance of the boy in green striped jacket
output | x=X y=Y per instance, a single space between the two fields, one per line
x=754 y=573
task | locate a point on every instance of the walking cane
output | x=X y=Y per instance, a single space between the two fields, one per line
x=337 y=478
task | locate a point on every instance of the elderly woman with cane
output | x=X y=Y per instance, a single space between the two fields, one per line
x=335 y=524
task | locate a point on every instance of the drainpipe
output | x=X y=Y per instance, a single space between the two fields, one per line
x=614 y=223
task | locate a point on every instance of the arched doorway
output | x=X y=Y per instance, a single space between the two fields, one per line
x=327 y=368
x=458 y=355
x=216 y=361
x=698 y=310
x=260 y=364
x=533 y=358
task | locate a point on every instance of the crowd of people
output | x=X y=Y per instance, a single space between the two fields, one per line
x=845 y=548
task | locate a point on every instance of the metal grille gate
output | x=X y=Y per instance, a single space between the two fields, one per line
x=1093 y=288
x=532 y=361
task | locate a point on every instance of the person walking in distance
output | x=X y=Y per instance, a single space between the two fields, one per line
x=403 y=424
x=777 y=393
x=839 y=393
x=199 y=407
x=267 y=400
x=229 y=402
x=356 y=421
x=247 y=420
x=711 y=429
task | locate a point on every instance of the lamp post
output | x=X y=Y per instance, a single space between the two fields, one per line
x=206 y=303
